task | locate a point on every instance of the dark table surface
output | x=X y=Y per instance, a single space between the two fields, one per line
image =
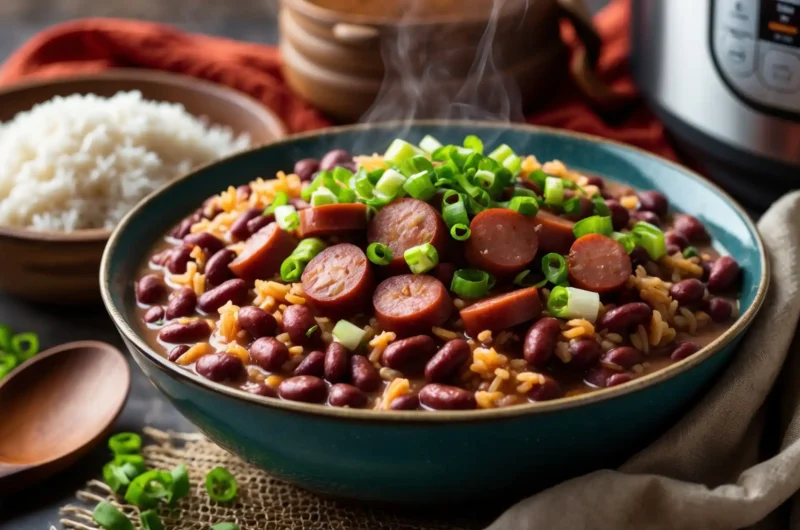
x=36 y=508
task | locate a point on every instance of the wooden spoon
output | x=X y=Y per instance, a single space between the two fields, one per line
x=56 y=406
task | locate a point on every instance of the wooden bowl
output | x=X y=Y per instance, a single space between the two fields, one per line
x=62 y=267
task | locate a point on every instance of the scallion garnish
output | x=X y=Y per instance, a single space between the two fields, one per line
x=125 y=443
x=348 y=334
x=650 y=238
x=501 y=153
x=600 y=206
x=149 y=488
x=460 y=232
x=221 y=485
x=626 y=240
x=690 y=252
x=390 y=183
x=525 y=279
x=554 y=268
x=471 y=283
x=453 y=209
x=569 y=302
x=150 y=520
x=119 y=472
x=323 y=196
x=109 y=518
x=8 y=362
x=595 y=224
x=572 y=205
x=400 y=151
x=474 y=143
x=429 y=144
x=379 y=254
x=527 y=206
x=420 y=186
x=553 y=191
x=5 y=337
x=281 y=199
x=287 y=217
x=292 y=267
x=513 y=164
x=180 y=484
x=538 y=178
x=312 y=330
x=225 y=526
x=422 y=258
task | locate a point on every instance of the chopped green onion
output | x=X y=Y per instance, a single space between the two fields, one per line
x=379 y=254
x=650 y=238
x=527 y=206
x=484 y=178
x=513 y=164
x=363 y=185
x=312 y=330
x=471 y=283
x=221 y=485
x=525 y=192
x=180 y=484
x=109 y=518
x=323 y=196
x=348 y=334
x=225 y=526
x=539 y=178
x=429 y=144
x=119 y=472
x=600 y=206
x=626 y=240
x=390 y=184
x=125 y=443
x=572 y=205
x=8 y=362
x=422 y=258
x=593 y=225
x=553 y=191
x=305 y=194
x=400 y=151
x=308 y=248
x=690 y=252
x=286 y=217
x=281 y=199
x=554 y=267
x=293 y=266
x=25 y=345
x=474 y=143
x=146 y=490
x=150 y=520
x=570 y=302
x=525 y=279
x=5 y=337
x=460 y=232
x=292 y=269
x=453 y=210
x=501 y=153
x=420 y=186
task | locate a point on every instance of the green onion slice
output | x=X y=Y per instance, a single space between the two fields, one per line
x=420 y=186
x=287 y=217
x=593 y=225
x=146 y=490
x=400 y=151
x=527 y=206
x=690 y=252
x=292 y=269
x=539 y=178
x=150 y=520
x=429 y=144
x=471 y=283
x=119 y=472
x=390 y=184
x=225 y=526
x=526 y=279
x=180 y=484
x=323 y=196
x=600 y=206
x=474 y=143
x=312 y=330
x=460 y=232
x=650 y=238
x=348 y=334
x=379 y=254
x=626 y=240
x=572 y=205
x=308 y=248
x=453 y=209
x=109 y=518
x=554 y=267
x=221 y=485
x=422 y=258
x=513 y=164
x=125 y=443
x=5 y=337
x=8 y=362
x=281 y=199
x=570 y=302
x=25 y=345
x=553 y=191
x=501 y=153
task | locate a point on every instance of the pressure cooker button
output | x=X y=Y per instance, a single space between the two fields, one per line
x=781 y=70
x=738 y=14
x=737 y=54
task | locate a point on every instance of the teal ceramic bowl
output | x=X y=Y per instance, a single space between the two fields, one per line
x=433 y=457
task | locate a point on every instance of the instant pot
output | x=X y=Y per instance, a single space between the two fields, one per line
x=724 y=77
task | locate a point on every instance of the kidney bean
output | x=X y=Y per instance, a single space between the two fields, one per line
x=261 y=389
x=257 y=322
x=257 y=223
x=447 y=360
x=306 y=168
x=243 y=192
x=684 y=350
x=546 y=391
x=306 y=388
x=719 y=309
x=403 y=354
x=444 y=397
x=647 y=216
x=178 y=259
x=691 y=227
x=220 y=367
x=154 y=314
x=335 y=158
x=596 y=181
x=217 y=270
x=363 y=374
x=598 y=376
x=160 y=258
x=618 y=379
x=210 y=208
x=181 y=303
x=444 y=273
x=624 y=356
x=183 y=229
x=269 y=353
x=673 y=249
x=625 y=317
x=619 y=214
x=677 y=239
x=208 y=242
x=193 y=331
x=584 y=352
x=337 y=362
x=313 y=364
x=406 y=402
x=688 y=292
x=239 y=229
x=150 y=289
x=540 y=341
x=297 y=320
x=639 y=256
x=298 y=203
x=653 y=201
x=234 y=291
x=706 y=265
x=344 y=395
x=176 y=352
x=724 y=273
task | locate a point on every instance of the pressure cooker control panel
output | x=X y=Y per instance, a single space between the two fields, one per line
x=756 y=44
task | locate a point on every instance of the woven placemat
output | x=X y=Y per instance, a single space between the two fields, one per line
x=263 y=502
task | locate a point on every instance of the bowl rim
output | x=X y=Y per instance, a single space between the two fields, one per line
x=368 y=415
x=93 y=235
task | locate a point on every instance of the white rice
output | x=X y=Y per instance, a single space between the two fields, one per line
x=83 y=161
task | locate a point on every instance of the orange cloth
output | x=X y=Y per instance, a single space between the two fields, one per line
x=95 y=44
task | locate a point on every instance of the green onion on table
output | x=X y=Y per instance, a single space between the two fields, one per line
x=15 y=349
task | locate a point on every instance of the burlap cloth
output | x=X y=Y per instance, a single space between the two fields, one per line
x=731 y=462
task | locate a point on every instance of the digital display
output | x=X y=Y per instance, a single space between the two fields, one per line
x=780 y=21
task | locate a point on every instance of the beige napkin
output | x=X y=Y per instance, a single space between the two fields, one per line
x=711 y=470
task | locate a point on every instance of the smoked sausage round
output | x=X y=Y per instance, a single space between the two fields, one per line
x=503 y=241
x=332 y=219
x=411 y=304
x=598 y=263
x=338 y=281
x=555 y=232
x=502 y=312
x=263 y=254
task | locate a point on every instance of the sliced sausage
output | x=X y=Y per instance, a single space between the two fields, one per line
x=598 y=263
x=503 y=241
x=263 y=253
x=555 y=232
x=332 y=219
x=411 y=304
x=407 y=223
x=338 y=281
x=502 y=311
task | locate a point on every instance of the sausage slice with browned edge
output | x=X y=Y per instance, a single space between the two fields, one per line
x=555 y=232
x=332 y=219
x=598 y=263
x=407 y=223
x=503 y=241
x=263 y=254
x=502 y=312
x=338 y=281
x=411 y=304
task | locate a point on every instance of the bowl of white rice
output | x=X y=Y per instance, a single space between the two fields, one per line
x=76 y=154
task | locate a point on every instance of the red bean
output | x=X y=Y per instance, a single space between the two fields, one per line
x=619 y=214
x=624 y=356
x=691 y=227
x=623 y=318
x=193 y=331
x=298 y=203
x=150 y=289
x=306 y=168
x=646 y=216
x=297 y=321
x=208 y=242
x=179 y=258
x=243 y=192
x=313 y=364
x=404 y=354
x=220 y=367
x=653 y=201
x=183 y=229
x=639 y=256
x=337 y=362
x=688 y=292
x=269 y=353
x=239 y=230
x=684 y=350
x=584 y=352
x=598 y=376
x=549 y=389
x=154 y=314
x=706 y=265
x=176 y=352
x=234 y=291
x=618 y=379
x=444 y=397
x=257 y=322
x=363 y=374
x=447 y=360
x=540 y=341
x=406 y=402
x=344 y=395
x=719 y=309
x=724 y=273
x=336 y=158
x=181 y=303
x=673 y=249
x=306 y=388
x=259 y=222
x=597 y=181
x=677 y=239
x=261 y=389
x=160 y=259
